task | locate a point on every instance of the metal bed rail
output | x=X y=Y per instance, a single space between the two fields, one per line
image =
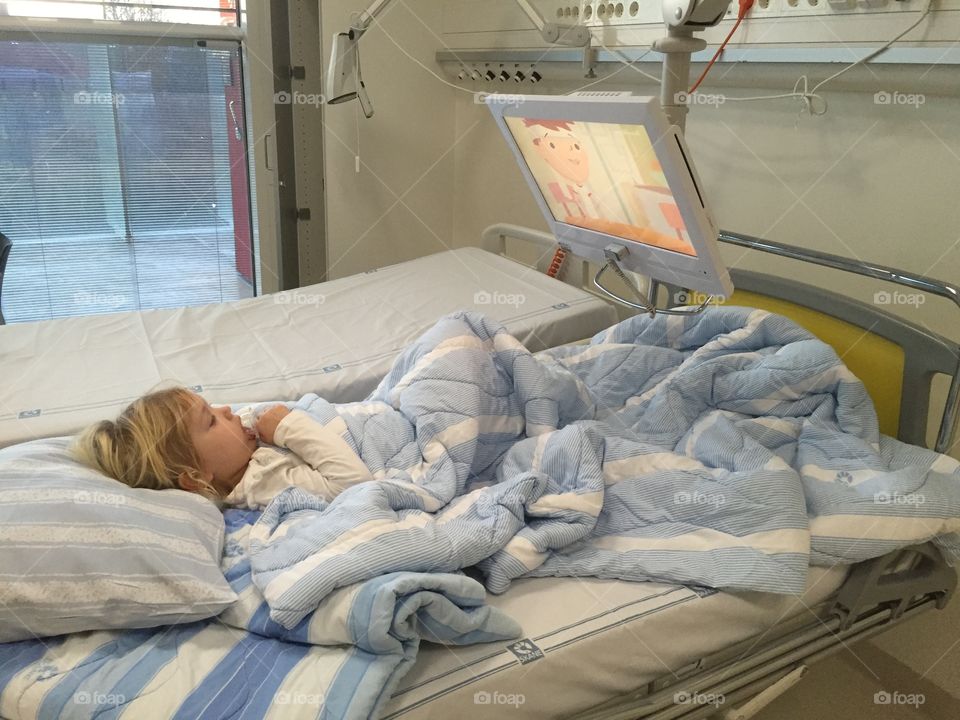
x=752 y=675
x=494 y=239
x=879 y=272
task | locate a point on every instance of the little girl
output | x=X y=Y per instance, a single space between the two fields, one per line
x=174 y=439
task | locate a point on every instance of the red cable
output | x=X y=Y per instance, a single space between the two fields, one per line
x=745 y=6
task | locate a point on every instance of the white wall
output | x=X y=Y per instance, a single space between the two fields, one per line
x=399 y=205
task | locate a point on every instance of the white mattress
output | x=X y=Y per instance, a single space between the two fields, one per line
x=590 y=641
x=336 y=339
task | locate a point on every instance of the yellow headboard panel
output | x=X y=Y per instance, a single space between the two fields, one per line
x=878 y=362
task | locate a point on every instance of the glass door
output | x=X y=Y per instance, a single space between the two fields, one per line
x=123 y=177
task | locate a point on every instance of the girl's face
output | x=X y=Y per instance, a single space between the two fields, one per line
x=223 y=444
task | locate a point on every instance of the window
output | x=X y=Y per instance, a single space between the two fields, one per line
x=123 y=172
x=200 y=12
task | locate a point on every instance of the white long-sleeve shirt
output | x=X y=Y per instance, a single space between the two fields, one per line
x=317 y=460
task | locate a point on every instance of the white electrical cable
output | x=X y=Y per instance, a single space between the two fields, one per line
x=418 y=62
x=356 y=120
x=809 y=97
x=624 y=66
x=628 y=62
x=870 y=56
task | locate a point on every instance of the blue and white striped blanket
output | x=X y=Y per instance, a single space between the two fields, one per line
x=729 y=449
x=343 y=662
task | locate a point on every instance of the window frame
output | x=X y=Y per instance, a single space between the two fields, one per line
x=253 y=38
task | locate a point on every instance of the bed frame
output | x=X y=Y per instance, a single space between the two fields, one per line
x=876 y=594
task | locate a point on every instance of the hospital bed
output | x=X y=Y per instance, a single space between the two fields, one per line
x=336 y=339
x=660 y=651
x=590 y=648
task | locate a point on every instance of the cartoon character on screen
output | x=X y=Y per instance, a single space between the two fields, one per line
x=562 y=150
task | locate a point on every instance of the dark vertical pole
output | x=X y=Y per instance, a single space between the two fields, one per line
x=286 y=158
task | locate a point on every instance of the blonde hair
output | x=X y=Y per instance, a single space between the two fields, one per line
x=148 y=445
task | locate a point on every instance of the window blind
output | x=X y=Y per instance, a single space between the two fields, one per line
x=123 y=175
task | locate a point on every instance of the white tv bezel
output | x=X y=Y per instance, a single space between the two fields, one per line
x=704 y=273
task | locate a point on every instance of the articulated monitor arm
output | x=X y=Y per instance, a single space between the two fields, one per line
x=683 y=18
x=345 y=82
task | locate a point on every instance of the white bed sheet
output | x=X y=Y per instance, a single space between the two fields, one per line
x=590 y=641
x=336 y=339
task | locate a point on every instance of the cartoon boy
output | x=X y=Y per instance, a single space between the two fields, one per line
x=556 y=143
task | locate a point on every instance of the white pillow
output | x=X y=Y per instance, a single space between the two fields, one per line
x=80 y=551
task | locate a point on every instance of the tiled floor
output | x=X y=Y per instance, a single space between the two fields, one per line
x=862 y=682
x=55 y=279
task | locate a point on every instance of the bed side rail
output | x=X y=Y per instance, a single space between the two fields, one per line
x=896 y=580
x=903 y=278
x=494 y=239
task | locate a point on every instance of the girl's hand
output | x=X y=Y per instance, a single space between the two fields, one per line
x=268 y=421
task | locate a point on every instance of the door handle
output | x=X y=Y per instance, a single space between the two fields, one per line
x=236 y=125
